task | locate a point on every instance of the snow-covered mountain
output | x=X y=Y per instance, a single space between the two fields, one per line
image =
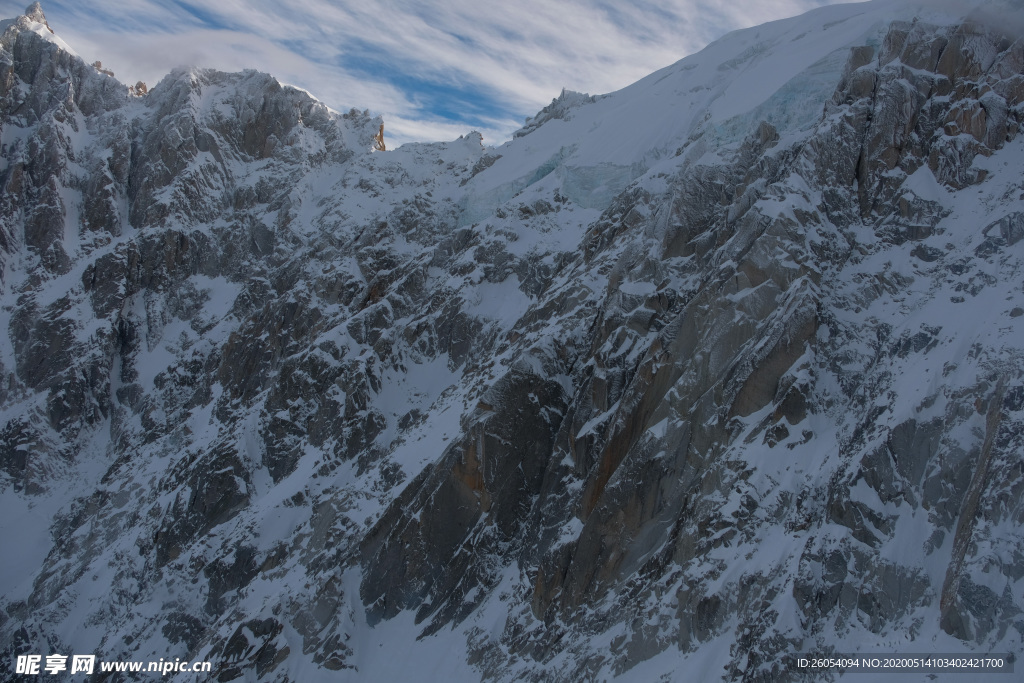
x=680 y=382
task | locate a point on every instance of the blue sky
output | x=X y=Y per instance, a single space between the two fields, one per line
x=435 y=69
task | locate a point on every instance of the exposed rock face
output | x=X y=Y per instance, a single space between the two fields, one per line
x=270 y=397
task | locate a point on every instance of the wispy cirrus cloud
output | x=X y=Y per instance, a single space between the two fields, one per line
x=434 y=69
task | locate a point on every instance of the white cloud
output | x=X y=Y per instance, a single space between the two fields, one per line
x=512 y=58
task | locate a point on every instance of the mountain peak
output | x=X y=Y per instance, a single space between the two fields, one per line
x=34 y=12
x=32 y=21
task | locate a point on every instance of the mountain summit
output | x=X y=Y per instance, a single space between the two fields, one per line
x=34 y=12
x=688 y=380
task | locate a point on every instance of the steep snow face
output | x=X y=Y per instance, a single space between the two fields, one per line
x=679 y=382
x=780 y=72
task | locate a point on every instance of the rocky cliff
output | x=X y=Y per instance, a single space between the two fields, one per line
x=685 y=379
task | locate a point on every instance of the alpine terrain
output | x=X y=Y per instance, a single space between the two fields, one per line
x=680 y=383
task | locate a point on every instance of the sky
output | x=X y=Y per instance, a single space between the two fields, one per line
x=434 y=69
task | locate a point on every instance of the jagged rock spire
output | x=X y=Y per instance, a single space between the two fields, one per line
x=35 y=13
